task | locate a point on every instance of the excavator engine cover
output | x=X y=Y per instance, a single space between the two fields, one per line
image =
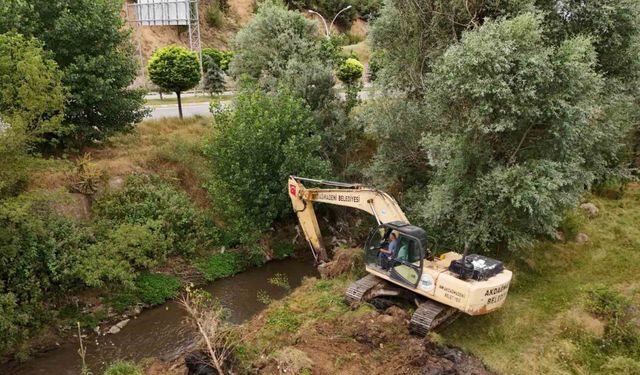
x=476 y=267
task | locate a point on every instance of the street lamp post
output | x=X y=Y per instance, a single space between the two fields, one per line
x=327 y=29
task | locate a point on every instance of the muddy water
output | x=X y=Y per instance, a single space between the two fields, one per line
x=160 y=331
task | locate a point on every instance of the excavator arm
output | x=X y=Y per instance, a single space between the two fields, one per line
x=375 y=202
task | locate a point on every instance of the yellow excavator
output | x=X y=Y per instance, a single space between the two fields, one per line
x=441 y=286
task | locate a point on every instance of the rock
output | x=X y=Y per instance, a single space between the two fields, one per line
x=590 y=209
x=115 y=183
x=122 y=323
x=582 y=238
x=113 y=330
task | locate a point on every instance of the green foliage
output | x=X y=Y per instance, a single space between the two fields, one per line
x=350 y=71
x=619 y=347
x=282 y=36
x=123 y=368
x=412 y=35
x=38 y=254
x=365 y=9
x=87 y=40
x=612 y=24
x=156 y=288
x=174 y=68
x=32 y=97
x=220 y=58
x=280 y=280
x=148 y=200
x=125 y=250
x=31 y=106
x=506 y=142
x=255 y=148
x=213 y=80
x=283 y=250
x=375 y=65
x=221 y=265
x=281 y=320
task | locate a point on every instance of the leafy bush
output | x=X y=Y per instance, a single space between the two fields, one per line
x=221 y=58
x=125 y=250
x=254 y=150
x=146 y=199
x=156 y=288
x=350 y=71
x=38 y=254
x=123 y=368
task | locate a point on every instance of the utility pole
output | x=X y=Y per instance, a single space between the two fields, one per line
x=327 y=29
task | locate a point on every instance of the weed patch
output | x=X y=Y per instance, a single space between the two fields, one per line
x=156 y=288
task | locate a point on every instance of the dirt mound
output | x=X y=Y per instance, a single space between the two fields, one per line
x=344 y=260
x=374 y=344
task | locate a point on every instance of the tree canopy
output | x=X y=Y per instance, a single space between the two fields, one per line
x=87 y=40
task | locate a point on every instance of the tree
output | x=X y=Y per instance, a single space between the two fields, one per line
x=31 y=93
x=176 y=69
x=511 y=125
x=90 y=44
x=411 y=35
x=281 y=35
x=350 y=73
x=31 y=105
x=213 y=80
x=253 y=150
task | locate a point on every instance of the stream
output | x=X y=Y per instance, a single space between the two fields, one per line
x=161 y=331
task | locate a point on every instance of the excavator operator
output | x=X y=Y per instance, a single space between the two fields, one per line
x=388 y=253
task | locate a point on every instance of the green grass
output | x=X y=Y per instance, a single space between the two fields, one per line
x=551 y=287
x=123 y=368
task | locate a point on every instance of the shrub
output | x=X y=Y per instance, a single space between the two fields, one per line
x=145 y=199
x=221 y=58
x=123 y=368
x=156 y=288
x=213 y=80
x=350 y=71
x=39 y=251
x=612 y=188
x=213 y=15
x=254 y=150
x=125 y=250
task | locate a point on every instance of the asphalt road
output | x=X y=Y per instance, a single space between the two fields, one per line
x=171 y=110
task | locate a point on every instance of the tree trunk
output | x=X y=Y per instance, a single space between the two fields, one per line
x=161 y=95
x=179 y=104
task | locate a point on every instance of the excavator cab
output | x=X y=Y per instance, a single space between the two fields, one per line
x=405 y=263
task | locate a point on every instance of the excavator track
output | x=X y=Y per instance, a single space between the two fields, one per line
x=357 y=292
x=431 y=315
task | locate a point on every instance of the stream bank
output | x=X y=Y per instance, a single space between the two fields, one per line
x=160 y=332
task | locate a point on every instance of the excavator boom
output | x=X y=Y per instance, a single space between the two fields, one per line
x=375 y=202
